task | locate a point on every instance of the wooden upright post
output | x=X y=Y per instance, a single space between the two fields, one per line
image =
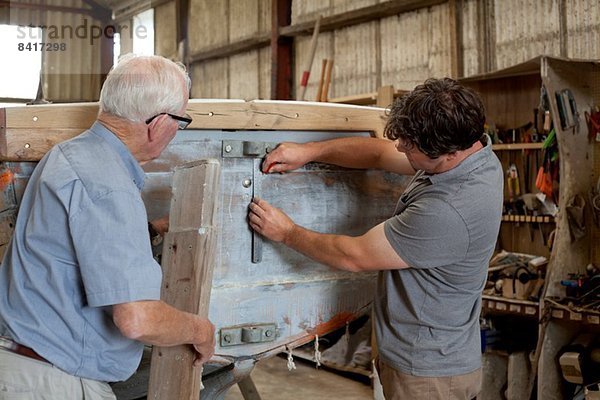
x=188 y=263
x=281 y=51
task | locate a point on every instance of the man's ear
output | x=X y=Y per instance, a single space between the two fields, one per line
x=153 y=128
x=451 y=156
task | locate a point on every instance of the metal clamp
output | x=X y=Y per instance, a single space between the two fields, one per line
x=246 y=334
x=240 y=149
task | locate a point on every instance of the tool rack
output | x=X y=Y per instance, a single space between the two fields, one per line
x=510 y=95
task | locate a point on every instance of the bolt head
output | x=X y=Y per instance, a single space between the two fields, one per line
x=228 y=148
x=247 y=183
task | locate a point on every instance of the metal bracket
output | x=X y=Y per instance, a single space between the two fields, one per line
x=257 y=241
x=240 y=149
x=246 y=334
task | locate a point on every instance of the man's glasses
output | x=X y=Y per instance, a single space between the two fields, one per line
x=182 y=122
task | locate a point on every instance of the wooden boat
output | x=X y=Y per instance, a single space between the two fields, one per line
x=264 y=298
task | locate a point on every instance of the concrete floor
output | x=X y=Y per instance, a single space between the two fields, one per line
x=273 y=381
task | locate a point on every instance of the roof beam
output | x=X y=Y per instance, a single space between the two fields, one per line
x=44 y=7
x=359 y=16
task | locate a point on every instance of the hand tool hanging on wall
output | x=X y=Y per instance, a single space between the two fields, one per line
x=309 y=61
x=593 y=120
x=548 y=172
x=534 y=133
x=567 y=110
x=512 y=182
x=545 y=111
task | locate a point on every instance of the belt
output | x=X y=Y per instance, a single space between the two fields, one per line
x=12 y=346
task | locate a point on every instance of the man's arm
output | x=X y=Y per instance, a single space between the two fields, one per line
x=353 y=152
x=157 y=323
x=369 y=252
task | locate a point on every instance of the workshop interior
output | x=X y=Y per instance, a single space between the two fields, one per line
x=265 y=72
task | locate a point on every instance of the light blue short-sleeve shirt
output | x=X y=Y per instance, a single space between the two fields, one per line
x=80 y=245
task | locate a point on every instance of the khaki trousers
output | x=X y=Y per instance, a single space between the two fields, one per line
x=24 y=378
x=399 y=386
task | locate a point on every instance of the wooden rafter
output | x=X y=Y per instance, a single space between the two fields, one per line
x=45 y=7
x=359 y=16
x=230 y=49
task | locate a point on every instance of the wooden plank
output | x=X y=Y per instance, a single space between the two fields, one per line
x=517 y=375
x=286 y=115
x=385 y=96
x=188 y=263
x=49 y=116
x=516 y=146
x=32 y=130
x=248 y=389
x=31 y=144
x=358 y=99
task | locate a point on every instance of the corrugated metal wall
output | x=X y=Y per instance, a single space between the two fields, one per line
x=583 y=28
x=165 y=31
x=400 y=50
x=415 y=46
x=218 y=23
x=72 y=74
x=309 y=10
x=525 y=29
x=471 y=31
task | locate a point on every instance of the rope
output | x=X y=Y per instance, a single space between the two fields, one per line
x=290 y=360
x=317 y=352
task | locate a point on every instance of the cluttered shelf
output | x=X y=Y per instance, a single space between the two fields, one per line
x=497 y=304
x=584 y=315
x=514 y=284
x=581 y=301
x=536 y=219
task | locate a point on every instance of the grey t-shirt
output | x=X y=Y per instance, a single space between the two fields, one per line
x=445 y=228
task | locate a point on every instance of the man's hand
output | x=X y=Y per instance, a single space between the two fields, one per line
x=206 y=348
x=157 y=323
x=269 y=221
x=287 y=157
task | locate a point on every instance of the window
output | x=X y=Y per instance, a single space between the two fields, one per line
x=20 y=77
x=143 y=28
x=138 y=39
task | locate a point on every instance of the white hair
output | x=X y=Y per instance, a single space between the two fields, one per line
x=140 y=87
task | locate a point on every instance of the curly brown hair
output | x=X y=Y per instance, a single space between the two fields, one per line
x=439 y=117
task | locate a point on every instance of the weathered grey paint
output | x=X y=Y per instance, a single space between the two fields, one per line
x=300 y=296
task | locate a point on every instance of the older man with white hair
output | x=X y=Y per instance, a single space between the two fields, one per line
x=79 y=288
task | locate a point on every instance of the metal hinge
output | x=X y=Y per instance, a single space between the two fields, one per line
x=238 y=148
x=246 y=334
